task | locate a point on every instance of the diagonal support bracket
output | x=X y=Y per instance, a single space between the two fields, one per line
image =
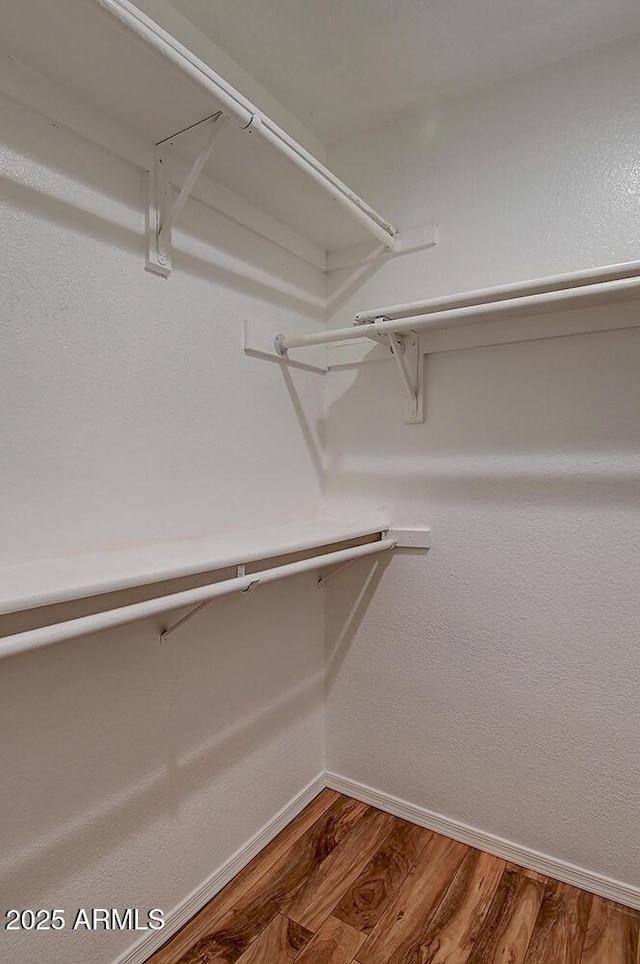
x=241 y=572
x=164 y=205
x=324 y=579
x=406 y=354
x=164 y=635
x=328 y=576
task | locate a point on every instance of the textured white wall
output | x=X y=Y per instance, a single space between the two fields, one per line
x=134 y=414
x=129 y=413
x=495 y=681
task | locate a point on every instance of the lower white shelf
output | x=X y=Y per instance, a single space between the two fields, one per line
x=195 y=598
x=50 y=581
x=47 y=582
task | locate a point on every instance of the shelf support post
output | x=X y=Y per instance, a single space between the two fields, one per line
x=164 y=209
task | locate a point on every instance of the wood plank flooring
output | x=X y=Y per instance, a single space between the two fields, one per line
x=345 y=883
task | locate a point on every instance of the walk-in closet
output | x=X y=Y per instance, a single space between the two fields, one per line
x=320 y=482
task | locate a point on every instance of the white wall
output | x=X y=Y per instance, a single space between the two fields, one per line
x=495 y=681
x=129 y=414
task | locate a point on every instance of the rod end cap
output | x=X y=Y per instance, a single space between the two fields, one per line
x=279 y=345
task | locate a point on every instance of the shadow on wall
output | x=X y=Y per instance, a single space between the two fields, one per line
x=76 y=184
x=113 y=733
x=527 y=424
x=347 y=281
x=346 y=611
x=312 y=440
x=495 y=681
x=498 y=482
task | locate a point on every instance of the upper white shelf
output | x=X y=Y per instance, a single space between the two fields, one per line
x=49 y=581
x=127 y=67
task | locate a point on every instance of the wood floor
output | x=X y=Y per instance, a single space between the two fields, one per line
x=347 y=884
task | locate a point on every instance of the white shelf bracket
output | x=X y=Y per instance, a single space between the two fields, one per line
x=328 y=576
x=163 y=207
x=164 y=635
x=406 y=353
x=241 y=572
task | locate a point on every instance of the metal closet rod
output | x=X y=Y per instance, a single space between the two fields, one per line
x=516 y=289
x=561 y=292
x=246 y=115
x=72 y=628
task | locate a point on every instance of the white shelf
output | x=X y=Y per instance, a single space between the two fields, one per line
x=49 y=581
x=129 y=69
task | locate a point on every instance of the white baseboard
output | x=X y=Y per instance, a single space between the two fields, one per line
x=524 y=856
x=177 y=918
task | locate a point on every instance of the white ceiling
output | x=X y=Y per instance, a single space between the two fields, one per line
x=346 y=66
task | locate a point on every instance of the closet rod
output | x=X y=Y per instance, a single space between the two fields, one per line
x=245 y=114
x=604 y=292
x=72 y=628
x=516 y=289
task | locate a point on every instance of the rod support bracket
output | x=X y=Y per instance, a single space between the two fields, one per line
x=405 y=349
x=164 y=205
x=279 y=345
x=254 y=124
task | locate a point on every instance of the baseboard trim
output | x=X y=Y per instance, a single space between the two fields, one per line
x=507 y=849
x=180 y=915
x=524 y=856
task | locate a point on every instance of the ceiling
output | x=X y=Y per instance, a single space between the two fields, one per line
x=346 y=66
